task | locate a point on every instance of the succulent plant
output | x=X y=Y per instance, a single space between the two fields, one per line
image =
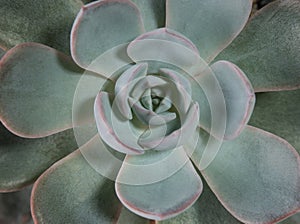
x=154 y=111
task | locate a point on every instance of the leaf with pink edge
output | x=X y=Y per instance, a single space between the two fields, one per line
x=238 y=94
x=22 y=161
x=211 y=25
x=295 y=219
x=166 y=35
x=153 y=13
x=163 y=199
x=21 y=22
x=279 y=113
x=256 y=177
x=98 y=26
x=207 y=209
x=83 y=195
x=36 y=90
x=267 y=50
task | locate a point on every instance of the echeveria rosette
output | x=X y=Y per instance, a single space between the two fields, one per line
x=254 y=174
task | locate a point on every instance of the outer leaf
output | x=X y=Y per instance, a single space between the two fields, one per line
x=36 y=90
x=278 y=113
x=23 y=160
x=163 y=199
x=210 y=24
x=256 y=177
x=2 y=52
x=47 y=21
x=268 y=48
x=207 y=209
x=295 y=219
x=126 y=217
x=98 y=26
x=72 y=192
x=153 y=13
x=15 y=207
x=238 y=94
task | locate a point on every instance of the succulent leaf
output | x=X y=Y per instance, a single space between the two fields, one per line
x=83 y=195
x=292 y=220
x=210 y=25
x=38 y=21
x=98 y=26
x=169 y=35
x=163 y=199
x=36 y=91
x=152 y=166
x=165 y=48
x=2 y=52
x=238 y=94
x=124 y=86
x=153 y=13
x=112 y=127
x=267 y=50
x=24 y=160
x=127 y=216
x=15 y=207
x=207 y=209
x=278 y=113
x=256 y=177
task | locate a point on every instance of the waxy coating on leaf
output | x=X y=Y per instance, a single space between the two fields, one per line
x=163 y=199
x=238 y=94
x=210 y=25
x=255 y=174
x=267 y=50
x=256 y=177
x=24 y=160
x=278 y=113
x=36 y=91
x=88 y=193
x=41 y=22
x=91 y=38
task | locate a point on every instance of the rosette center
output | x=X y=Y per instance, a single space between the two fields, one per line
x=146 y=111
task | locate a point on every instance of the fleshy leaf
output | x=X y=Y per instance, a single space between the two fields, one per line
x=15 y=207
x=177 y=137
x=98 y=26
x=83 y=195
x=256 y=177
x=112 y=128
x=168 y=35
x=295 y=219
x=267 y=50
x=153 y=13
x=206 y=149
x=207 y=91
x=207 y=209
x=36 y=90
x=210 y=24
x=127 y=216
x=163 y=199
x=21 y=22
x=154 y=165
x=23 y=160
x=238 y=94
x=146 y=116
x=124 y=86
x=2 y=52
x=278 y=113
